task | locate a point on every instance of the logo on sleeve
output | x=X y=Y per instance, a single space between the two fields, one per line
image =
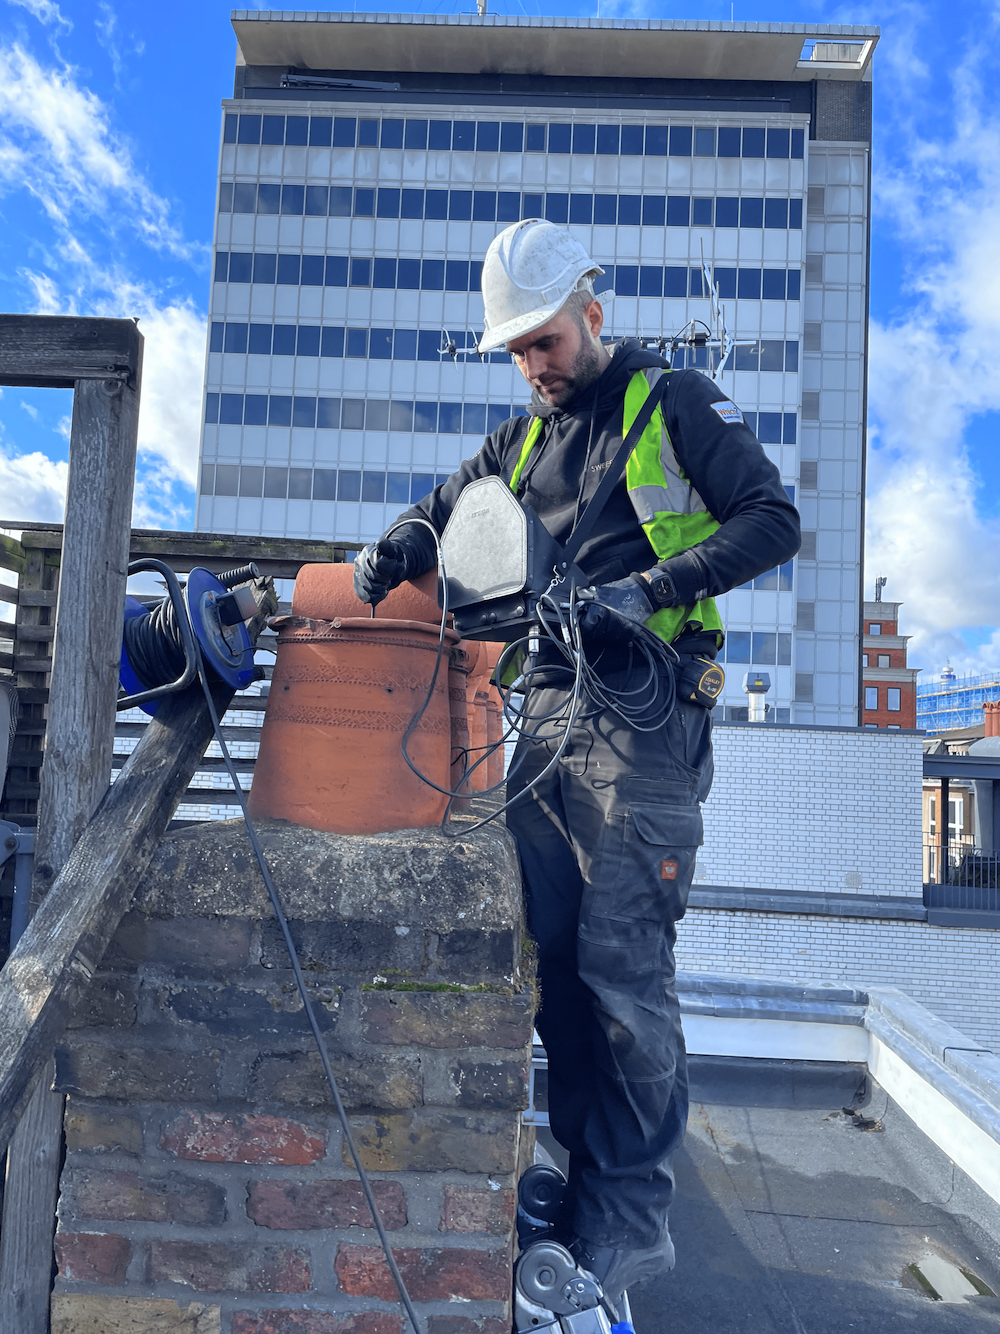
x=729 y=412
x=668 y=870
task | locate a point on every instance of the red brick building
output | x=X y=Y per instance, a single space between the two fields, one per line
x=890 y=687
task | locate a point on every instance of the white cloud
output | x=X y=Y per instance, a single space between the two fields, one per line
x=33 y=486
x=45 y=11
x=31 y=410
x=933 y=370
x=56 y=141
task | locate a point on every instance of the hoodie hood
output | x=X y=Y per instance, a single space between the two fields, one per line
x=627 y=357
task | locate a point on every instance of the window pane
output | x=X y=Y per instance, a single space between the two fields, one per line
x=425 y=417
x=279 y=410
x=460 y=205
x=627 y=279
x=654 y=210
x=428 y=345
x=341 y=201
x=629 y=210
x=738 y=646
x=794 y=282
x=207 y=479
x=299 y=483
x=777 y=143
x=227 y=479
x=605 y=209
x=249 y=130
x=474 y=419
x=765 y=648
x=352 y=414
x=871 y=697
x=581 y=208
x=784 y=650
x=559 y=138
x=753 y=142
x=217 y=336
x=225 y=196
x=404 y=345
x=450 y=418
x=892 y=699
x=312 y=270
x=412 y=204
x=364 y=203
x=748 y=284
x=650 y=280
x=790 y=431
x=727 y=212
x=384 y=273
x=772 y=355
x=408 y=274
x=397 y=488
x=725 y=283
x=436 y=205
x=785 y=577
x=229 y=132
x=767 y=582
x=421 y=484
x=678 y=211
x=328 y=413
x=231 y=409
x=400 y=416
x=531 y=205
x=244 y=197
x=380 y=344
x=791 y=356
x=432 y=274
x=296 y=129
x=303 y=411
x=268 y=198
x=415 y=134
x=496 y=415
x=255 y=410
x=236 y=338
x=511 y=137
x=557 y=207
x=324 y=484
x=776 y=213
x=211 y=409
x=729 y=141
x=680 y=141
x=701 y=212
x=534 y=140
x=307 y=343
x=284 y=340
x=769 y=428
x=584 y=138
x=608 y=138
x=439 y=134
x=795 y=214
x=747 y=356
x=293 y=199
x=361 y=273
x=388 y=204
x=345 y=131
x=463 y=136
x=332 y=343
x=508 y=206
x=751 y=212
x=276 y=483
x=704 y=143
x=456 y=275
x=357 y=342
x=320 y=130
x=288 y=270
x=251 y=480
x=656 y=140
x=488 y=136
x=484 y=206
x=773 y=287
x=632 y=139
x=373 y=487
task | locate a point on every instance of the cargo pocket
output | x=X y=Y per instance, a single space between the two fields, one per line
x=650 y=873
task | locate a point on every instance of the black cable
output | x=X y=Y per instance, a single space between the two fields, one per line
x=154 y=639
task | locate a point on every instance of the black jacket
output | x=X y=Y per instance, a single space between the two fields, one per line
x=724 y=461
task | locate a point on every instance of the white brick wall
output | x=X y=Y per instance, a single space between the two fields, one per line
x=828 y=810
x=953 y=971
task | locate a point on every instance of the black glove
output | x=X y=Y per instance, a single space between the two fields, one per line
x=615 y=611
x=379 y=568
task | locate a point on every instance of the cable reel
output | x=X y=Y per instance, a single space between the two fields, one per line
x=160 y=645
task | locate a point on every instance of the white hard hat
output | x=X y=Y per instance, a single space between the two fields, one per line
x=530 y=271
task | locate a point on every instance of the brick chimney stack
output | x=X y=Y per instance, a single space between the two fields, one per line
x=991 y=713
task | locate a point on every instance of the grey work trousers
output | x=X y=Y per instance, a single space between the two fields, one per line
x=607 y=844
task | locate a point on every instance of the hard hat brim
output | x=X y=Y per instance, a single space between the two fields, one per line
x=517 y=327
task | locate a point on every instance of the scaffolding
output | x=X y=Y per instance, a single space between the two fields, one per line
x=945 y=705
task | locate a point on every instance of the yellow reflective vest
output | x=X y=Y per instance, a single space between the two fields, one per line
x=672 y=513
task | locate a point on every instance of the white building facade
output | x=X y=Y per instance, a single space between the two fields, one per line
x=367 y=162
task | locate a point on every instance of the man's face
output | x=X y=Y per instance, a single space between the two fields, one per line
x=559 y=360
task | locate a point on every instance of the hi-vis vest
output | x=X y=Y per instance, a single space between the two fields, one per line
x=672 y=513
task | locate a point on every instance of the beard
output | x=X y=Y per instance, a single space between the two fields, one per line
x=587 y=366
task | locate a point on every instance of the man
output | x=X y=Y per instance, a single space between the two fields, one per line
x=607 y=841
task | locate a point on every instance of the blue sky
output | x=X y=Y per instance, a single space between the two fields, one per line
x=109 y=129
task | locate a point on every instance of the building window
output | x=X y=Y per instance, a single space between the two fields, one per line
x=864 y=660
x=893 y=704
x=893 y=726
x=883 y=660
x=871 y=697
x=875 y=628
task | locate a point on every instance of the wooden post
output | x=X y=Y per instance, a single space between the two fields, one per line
x=75 y=771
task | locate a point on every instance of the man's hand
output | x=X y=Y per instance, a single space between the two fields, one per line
x=614 y=611
x=379 y=568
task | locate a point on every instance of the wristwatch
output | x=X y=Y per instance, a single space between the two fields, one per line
x=662 y=592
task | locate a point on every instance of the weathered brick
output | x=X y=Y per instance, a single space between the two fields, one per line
x=448 y=1019
x=317 y=1322
x=461 y=1324
x=430 y=1275
x=198 y=946
x=88 y=1313
x=144 y=1074
x=466 y=1209
x=323 y=1204
x=432 y=1141
x=217 y=1267
x=109 y=1002
x=171 y=1197
x=211 y=1137
x=502 y=1085
x=389 y=1082
x=92 y=1257
x=470 y=955
x=265 y=1014
x=337 y=947
x=88 y=1128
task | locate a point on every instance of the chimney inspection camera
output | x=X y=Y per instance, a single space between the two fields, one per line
x=641 y=495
